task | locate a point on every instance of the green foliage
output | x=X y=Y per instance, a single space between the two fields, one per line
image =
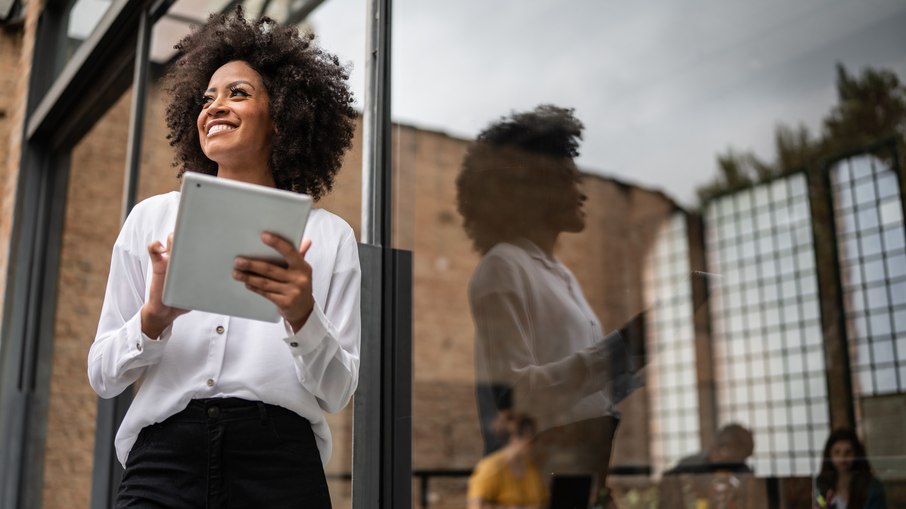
x=870 y=108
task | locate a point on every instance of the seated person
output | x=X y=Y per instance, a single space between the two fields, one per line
x=846 y=480
x=509 y=477
x=732 y=446
x=717 y=476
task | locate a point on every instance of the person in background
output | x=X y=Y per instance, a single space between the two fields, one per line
x=229 y=411
x=846 y=480
x=732 y=446
x=509 y=477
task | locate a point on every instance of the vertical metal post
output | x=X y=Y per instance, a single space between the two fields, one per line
x=701 y=321
x=382 y=430
x=137 y=113
x=376 y=171
x=830 y=291
x=107 y=471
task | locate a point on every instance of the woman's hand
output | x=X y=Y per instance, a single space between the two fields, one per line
x=289 y=288
x=155 y=315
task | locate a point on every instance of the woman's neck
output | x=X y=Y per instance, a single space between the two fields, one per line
x=843 y=479
x=544 y=239
x=261 y=175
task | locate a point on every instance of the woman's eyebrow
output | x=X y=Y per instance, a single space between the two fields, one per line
x=231 y=85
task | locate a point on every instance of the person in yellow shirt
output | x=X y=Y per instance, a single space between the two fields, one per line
x=509 y=478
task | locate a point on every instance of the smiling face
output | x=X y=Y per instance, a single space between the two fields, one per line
x=235 y=128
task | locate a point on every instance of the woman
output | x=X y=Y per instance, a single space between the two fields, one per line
x=230 y=412
x=536 y=335
x=846 y=480
x=509 y=477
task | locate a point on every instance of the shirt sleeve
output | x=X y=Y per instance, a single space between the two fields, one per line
x=326 y=349
x=484 y=482
x=121 y=351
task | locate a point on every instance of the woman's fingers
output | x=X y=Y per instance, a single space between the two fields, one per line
x=264 y=283
x=284 y=247
x=289 y=288
x=295 y=260
x=303 y=249
x=264 y=268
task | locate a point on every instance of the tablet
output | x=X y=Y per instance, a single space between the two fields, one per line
x=218 y=220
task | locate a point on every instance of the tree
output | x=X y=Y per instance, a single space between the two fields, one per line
x=870 y=108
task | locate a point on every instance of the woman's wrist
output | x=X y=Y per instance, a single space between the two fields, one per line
x=153 y=326
x=299 y=323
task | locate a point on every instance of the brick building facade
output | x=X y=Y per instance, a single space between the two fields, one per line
x=624 y=224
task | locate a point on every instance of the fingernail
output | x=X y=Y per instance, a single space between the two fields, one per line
x=240 y=262
x=267 y=237
x=237 y=274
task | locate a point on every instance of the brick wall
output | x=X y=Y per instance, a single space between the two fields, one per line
x=16 y=50
x=94 y=201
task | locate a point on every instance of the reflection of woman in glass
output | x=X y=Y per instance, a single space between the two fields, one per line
x=846 y=480
x=509 y=477
x=230 y=412
x=536 y=335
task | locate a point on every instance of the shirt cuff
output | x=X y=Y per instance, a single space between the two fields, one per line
x=605 y=354
x=140 y=345
x=310 y=335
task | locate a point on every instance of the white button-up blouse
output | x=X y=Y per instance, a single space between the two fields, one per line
x=204 y=355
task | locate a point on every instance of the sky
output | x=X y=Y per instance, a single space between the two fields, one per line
x=661 y=86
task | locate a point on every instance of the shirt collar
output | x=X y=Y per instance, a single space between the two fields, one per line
x=535 y=252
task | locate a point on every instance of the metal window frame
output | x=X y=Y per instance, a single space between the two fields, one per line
x=889 y=147
x=382 y=413
x=662 y=273
x=758 y=260
x=62 y=108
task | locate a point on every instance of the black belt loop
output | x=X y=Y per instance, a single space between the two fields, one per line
x=263 y=411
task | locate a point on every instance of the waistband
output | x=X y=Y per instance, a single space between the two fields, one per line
x=223 y=409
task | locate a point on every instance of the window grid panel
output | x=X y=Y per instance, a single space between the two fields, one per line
x=868 y=218
x=769 y=365
x=671 y=372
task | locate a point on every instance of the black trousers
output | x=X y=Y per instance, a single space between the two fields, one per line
x=226 y=453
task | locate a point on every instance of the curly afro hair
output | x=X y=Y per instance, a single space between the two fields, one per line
x=310 y=100
x=512 y=171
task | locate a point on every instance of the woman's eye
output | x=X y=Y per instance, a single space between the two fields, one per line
x=206 y=100
x=238 y=92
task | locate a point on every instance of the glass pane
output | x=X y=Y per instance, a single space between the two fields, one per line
x=92 y=220
x=876 y=255
x=339 y=28
x=472 y=144
x=82 y=18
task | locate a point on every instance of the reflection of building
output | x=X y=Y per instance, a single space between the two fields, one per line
x=766 y=328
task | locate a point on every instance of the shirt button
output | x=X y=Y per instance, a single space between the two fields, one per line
x=214 y=412
x=294 y=344
x=210 y=382
x=220 y=329
x=138 y=346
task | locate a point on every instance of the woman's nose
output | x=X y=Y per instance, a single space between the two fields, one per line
x=216 y=107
